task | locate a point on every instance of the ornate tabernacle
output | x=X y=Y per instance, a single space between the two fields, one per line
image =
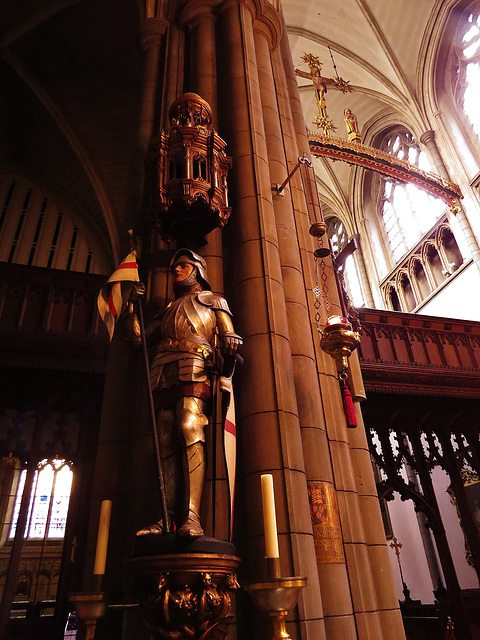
x=189 y=168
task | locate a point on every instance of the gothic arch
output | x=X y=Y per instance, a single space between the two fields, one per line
x=440 y=86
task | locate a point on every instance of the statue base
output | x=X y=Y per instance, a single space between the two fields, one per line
x=162 y=544
x=184 y=587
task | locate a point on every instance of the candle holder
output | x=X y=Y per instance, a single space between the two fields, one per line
x=90 y=607
x=339 y=341
x=277 y=597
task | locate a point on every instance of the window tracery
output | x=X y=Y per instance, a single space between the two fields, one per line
x=466 y=80
x=407 y=211
x=49 y=500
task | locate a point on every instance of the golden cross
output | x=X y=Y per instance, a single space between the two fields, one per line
x=320 y=85
x=397 y=546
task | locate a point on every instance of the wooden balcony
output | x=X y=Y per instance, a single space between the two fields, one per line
x=420 y=355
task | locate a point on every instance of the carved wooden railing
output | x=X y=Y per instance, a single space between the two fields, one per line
x=417 y=354
x=49 y=319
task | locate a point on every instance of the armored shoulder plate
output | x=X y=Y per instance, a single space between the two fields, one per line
x=216 y=302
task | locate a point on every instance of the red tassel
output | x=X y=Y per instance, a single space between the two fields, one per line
x=348 y=405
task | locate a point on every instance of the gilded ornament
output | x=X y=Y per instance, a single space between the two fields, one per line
x=339 y=341
x=327 y=533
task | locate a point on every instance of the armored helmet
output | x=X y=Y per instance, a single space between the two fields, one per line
x=197 y=261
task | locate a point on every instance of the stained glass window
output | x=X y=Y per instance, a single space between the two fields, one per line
x=48 y=508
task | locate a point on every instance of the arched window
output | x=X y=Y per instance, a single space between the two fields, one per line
x=199 y=167
x=467 y=70
x=407 y=211
x=337 y=234
x=49 y=499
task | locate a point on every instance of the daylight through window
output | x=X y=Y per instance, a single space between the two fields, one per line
x=48 y=508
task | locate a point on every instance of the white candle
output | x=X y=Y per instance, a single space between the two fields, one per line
x=269 y=517
x=102 y=538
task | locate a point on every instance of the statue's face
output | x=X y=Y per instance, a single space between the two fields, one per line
x=182 y=270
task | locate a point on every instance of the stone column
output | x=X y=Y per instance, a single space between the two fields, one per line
x=173 y=87
x=151 y=36
x=367 y=290
x=269 y=432
x=199 y=19
x=370 y=580
x=428 y=139
x=281 y=144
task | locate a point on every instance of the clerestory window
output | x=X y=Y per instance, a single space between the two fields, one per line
x=407 y=211
x=467 y=70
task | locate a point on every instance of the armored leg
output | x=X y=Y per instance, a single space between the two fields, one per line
x=192 y=422
x=171 y=454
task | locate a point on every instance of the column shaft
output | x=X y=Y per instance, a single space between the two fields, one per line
x=369 y=573
x=268 y=410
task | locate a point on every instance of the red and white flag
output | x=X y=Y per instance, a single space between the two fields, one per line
x=114 y=294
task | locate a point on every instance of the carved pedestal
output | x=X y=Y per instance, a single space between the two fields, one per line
x=186 y=595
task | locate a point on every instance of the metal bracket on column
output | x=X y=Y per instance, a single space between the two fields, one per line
x=279 y=188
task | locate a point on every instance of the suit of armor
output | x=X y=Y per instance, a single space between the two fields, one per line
x=184 y=336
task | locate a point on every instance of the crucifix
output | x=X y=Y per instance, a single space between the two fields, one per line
x=320 y=85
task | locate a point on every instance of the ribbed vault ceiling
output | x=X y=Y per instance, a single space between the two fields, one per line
x=76 y=64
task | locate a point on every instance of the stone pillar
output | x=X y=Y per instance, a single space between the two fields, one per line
x=367 y=290
x=281 y=144
x=198 y=17
x=303 y=362
x=370 y=580
x=428 y=139
x=173 y=87
x=151 y=36
x=269 y=431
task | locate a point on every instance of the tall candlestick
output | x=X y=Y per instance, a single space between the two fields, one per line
x=269 y=517
x=102 y=538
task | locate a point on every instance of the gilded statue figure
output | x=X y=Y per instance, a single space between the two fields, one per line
x=184 y=337
x=351 y=124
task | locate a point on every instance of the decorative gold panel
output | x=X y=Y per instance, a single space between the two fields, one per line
x=327 y=534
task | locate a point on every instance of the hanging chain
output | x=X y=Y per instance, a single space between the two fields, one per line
x=321 y=288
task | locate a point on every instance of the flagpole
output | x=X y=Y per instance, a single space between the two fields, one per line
x=153 y=420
